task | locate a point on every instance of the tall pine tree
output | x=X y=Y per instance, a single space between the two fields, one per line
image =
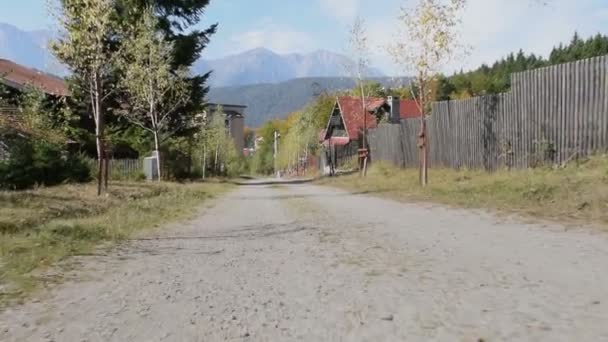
x=177 y=19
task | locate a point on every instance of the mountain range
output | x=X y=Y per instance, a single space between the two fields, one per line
x=29 y=48
x=264 y=66
x=272 y=85
x=257 y=66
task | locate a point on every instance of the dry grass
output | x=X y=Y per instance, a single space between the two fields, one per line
x=577 y=193
x=40 y=227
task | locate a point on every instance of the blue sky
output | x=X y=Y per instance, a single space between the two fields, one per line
x=491 y=27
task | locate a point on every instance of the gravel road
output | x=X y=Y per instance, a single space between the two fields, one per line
x=307 y=263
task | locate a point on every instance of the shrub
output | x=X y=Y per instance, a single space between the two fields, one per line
x=38 y=162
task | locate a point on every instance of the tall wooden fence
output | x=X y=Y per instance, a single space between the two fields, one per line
x=551 y=115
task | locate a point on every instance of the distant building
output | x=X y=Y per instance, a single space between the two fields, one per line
x=19 y=77
x=15 y=79
x=347 y=121
x=343 y=135
x=234 y=120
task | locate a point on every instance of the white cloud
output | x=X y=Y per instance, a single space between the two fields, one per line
x=380 y=35
x=278 y=39
x=343 y=10
x=494 y=28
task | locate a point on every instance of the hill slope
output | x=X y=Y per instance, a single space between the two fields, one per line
x=271 y=101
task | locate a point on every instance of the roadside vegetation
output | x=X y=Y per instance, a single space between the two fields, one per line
x=53 y=144
x=297 y=130
x=576 y=193
x=44 y=226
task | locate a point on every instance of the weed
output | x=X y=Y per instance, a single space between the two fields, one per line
x=577 y=192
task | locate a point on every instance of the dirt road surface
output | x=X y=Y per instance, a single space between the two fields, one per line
x=305 y=263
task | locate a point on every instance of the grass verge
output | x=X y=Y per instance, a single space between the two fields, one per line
x=577 y=193
x=40 y=227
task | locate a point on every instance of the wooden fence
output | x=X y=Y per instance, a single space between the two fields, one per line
x=121 y=168
x=551 y=116
x=343 y=156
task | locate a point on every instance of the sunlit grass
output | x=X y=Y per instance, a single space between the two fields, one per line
x=40 y=227
x=578 y=192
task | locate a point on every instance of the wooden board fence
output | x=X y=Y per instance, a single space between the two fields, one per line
x=551 y=116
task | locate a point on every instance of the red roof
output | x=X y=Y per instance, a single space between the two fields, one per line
x=336 y=141
x=19 y=77
x=409 y=109
x=352 y=113
x=351 y=110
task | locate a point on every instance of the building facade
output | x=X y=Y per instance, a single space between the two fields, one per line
x=234 y=119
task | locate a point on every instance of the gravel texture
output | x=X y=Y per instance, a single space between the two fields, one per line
x=307 y=263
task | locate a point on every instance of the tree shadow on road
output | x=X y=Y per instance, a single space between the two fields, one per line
x=261 y=182
x=252 y=231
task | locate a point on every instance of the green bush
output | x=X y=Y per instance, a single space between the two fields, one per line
x=38 y=162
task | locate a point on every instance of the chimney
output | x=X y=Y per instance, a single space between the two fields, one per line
x=394 y=115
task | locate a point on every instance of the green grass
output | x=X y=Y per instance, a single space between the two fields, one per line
x=41 y=227
x=576 y=193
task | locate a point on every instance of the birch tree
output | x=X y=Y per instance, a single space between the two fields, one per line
x=154 y=92
x=216 y=143
x=360 y=53
x=426 y=41
x=87 y=31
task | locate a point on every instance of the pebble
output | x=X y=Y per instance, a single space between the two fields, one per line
x=387 y=318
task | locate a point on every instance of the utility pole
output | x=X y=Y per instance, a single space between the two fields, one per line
x=276 y=151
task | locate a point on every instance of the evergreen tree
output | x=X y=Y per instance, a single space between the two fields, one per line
x=497 y=78
x=177 y=18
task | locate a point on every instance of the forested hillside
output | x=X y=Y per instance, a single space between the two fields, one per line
x=497 y=77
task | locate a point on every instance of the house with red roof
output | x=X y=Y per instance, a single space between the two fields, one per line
x=14 y=80
x=343 y=135
x=19 y=77
x=348 y=118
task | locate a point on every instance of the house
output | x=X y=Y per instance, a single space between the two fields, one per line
x=346 y=122
x=234 y=118
x=344 y=133
x=15 y=78
x=18 y=77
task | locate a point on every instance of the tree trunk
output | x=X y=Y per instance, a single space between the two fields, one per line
x=363 y=171
x=215 y=162
x=99 y=165
x=204 y=159
x=99 y=130
x=422 y=137
x=157 y=152
x=106 y=170
x=424 y=153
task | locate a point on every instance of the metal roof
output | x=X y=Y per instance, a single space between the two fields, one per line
x=351 y=111
x=19 y=77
